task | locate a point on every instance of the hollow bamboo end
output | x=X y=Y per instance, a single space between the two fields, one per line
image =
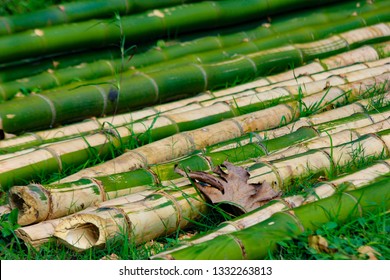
x=31 y=201
x=81 y=232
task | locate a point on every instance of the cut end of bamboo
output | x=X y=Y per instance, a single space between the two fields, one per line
x=32 y=202
x=81 y=232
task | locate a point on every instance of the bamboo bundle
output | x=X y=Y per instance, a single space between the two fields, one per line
x=155 y=24
x=78 y=11
x=37 y=203
x=272 y=39
x=94 y=125
x=186 y=142
x=340 y=207
x=163 y=211
x=278 y=173
x=228 y=37
x=40 y=233
x=57 y=107
x=33 y=208
x=359 y=179
x=368 y=56
x=60 y=199
x=54 y=157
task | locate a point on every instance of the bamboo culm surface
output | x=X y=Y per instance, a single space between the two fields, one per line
x=46 y=110
x=283 y=171
x=36 y=202
x=306 y=74
x=55 y=157
x=247 y=42
x=156 y=23
x=255 y=242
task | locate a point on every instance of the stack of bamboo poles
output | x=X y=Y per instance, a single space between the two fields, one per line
x=324 y=116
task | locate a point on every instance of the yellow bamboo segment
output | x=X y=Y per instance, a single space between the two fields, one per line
x=40 y=204
x=366 y=53
x=40 y=233
x=310 y=68
x=157 y=214
x=363 y=177
x=371 y=146
x=339 y=71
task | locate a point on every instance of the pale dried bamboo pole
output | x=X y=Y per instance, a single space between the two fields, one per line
x=183 y=143
x=38 y=234
x=322 y=190
x=277 y=173
x=301 y=75
x=160 y=213
x=342 y=63
x=72 y=198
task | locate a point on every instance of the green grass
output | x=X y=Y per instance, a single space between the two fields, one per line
x=344 y=241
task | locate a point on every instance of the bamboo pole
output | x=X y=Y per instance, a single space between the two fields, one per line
x=288 y=224
x=50 y=109
x=94 y=125
x=37 y=203
x=113 y=186
x=171 y=55
x=356 y=180
x=279 y=174
x=165 y=211
x=154 y=23
x=57 y=156
x=187 y=142
x=77 y=11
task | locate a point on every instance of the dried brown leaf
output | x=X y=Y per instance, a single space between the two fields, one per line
x=320 y=244
x=368 y=251
x=232 y=187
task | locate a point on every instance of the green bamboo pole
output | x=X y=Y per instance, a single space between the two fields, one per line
x=272 y=39
x=37 y=203
x=281 y=226
x=225 y=38
x=186 y=142
x=38 y=234
x=356 y=180
x=279 y=174
x=78 y=11
x=193 y=135
x=43 y=110
x=156 y=23
x=351 y=73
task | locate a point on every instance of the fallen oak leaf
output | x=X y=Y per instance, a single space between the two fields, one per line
x=232 y=187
